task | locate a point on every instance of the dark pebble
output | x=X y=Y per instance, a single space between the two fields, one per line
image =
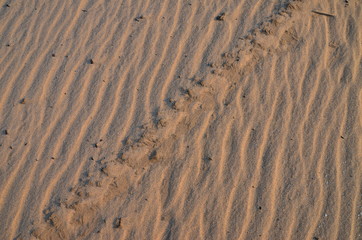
x=220 y=17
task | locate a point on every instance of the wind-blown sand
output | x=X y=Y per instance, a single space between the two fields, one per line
x=175 y=119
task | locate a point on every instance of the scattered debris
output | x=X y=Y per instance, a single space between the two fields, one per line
x=322 y=13
x=220 y=17
x=139 y=18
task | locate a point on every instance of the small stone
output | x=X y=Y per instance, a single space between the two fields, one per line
x=91 y=61
x=201 y=83
x=220 y=17
x=161 y=123
x=139 y=18
x=117 y=223
x=5 y=132
x=153 y=156
x=105 y=170
x=22 y=101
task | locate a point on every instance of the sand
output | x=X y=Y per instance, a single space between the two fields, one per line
x=217 y=119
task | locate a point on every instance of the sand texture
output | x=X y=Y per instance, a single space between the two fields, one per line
x=181 y=119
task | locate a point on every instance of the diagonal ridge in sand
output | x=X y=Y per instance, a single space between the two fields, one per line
x=79 y=215
x=161 y=136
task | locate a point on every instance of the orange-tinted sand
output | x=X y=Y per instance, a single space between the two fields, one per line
x=180 y=119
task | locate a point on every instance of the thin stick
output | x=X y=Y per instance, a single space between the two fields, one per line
x=324 y=14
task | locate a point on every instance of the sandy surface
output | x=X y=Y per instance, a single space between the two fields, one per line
x=180 y=119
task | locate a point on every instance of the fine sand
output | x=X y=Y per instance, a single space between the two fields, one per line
x=181 y=119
